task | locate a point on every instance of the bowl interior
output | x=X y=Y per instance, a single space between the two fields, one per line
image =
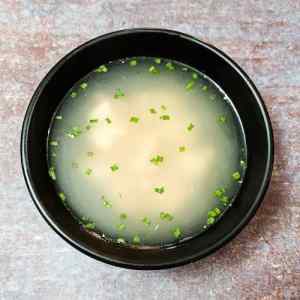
x=155 y=43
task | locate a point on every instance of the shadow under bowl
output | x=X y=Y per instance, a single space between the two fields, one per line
x=155 y=43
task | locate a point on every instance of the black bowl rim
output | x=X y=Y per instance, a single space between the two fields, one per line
x=185 y=260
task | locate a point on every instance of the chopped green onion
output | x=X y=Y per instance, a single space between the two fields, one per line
x=152 y=111
x=88 y=171
x=53 y=154
x=88 y=127
x=224 y=200
x=177 y=232
x=94 y=120
x=166 y=216
x=58 y=117
x=195 y=76
x=219 y=192
x=136 y=239
x=108 y=120
x=222 y=119
x=159 y=190
x=51 y=173
x=210 y=220
x=62 y=196
x=190 y=127
x=133 y=63
x=190 y=84
x=119 y=93
x=243 y=164
x=90 y=226
x=217 y=211
x=157 y=60
x=114 y=167
x=74 y=132
x=163 y=107
x=106 y=203
x=101 y=69
x=90 y=154
x=156 y=227
x=204 y=88
x=184 y=69
x=156 y=160
x=170 y=66
x=236 y=176
x=146 y=221
x=121 y=241
x=134 y=119
x=165 y=117
x=73 y=94
x=121 y=227
x=182 y=148
x=84 y=85
x=211 y=214
x=123 y=216
x=53 y=143
x=153 y=70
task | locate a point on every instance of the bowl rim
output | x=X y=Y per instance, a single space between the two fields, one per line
x=184 y=260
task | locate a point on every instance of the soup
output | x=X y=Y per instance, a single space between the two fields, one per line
x=146 y=152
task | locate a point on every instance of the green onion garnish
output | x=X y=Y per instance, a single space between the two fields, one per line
x=119 y=93
x=73 y=94
x=134 y=119
x=74 y=132
x=219 y=192
x=243 y=164
x=94 y=120
x=184 y=69
x=62 y=196
x=88 y=171
x=176 y=232
x=190 y=84
x=51 y=173
x=236 y=176
x=146 y=221
x=222 y=119
x=53 y=143
x=84 y=85
x=165 y=117
x=152 y=111
x=136 y=239
x=190 y=127
x=195 y=76
x=123 y=216
x=153 y=70
x=133 y=63
x=224 y=200
x=114 y=167
x=204 y=88
x=170 y=66
x=166 y=216
x=101 y=69
x=182 y=148
x=90 y=226
x=157 y=60
x=106 y=203
x=159 y=190
x=156 y=160
x=108 y=120
x=210 y=220
x=163 y=107
x=58 y=117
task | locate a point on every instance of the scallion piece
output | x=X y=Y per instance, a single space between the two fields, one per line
x=62 y=196
x=134 y=119
x=94 y=120
x=157 y=60
x=146 y=221
x=88 y=171
x=108 y=120
x=165 y=117
x=182 y=149
x=114 y=167
x=156 y=160
x=159 y=190
x=190 y=127
x=84 y=85
x=123 y=216
x=190 y=84
x=133 y=62
x=170 y=66
x=101 y=69
x=236 y=176
x=53 y=143
x=119 y=93
x=152 y=111
x=177 y=232
x=166 y=216
x=121 y=227
x=136 y=239
x=58 y=117
x=73 y=95
x=51 y=173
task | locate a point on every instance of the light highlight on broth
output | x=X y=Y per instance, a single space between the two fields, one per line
x=146 y=151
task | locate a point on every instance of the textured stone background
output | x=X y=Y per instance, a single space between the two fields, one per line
x=263 y=262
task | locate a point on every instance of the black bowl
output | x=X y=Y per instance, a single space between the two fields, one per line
x=155 y=43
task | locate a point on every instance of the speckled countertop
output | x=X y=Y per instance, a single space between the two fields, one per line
x=263 y=262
